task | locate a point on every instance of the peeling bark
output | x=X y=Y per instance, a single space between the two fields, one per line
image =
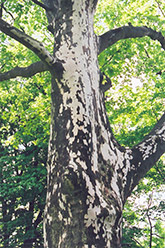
x=82 y=150
x=34 y=45
x=145 y=154
x=90 y=175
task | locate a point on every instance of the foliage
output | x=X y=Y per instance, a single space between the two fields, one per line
x=24 y=131
x=134 y=103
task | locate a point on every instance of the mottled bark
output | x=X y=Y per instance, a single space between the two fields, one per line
x=84 y=203
x=34 y=45
x=145 y=154
x=89 y=174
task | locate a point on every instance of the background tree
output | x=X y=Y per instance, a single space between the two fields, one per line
x=24 y=137
x=97 y=215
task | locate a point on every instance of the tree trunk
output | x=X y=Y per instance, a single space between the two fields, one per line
x=90 y=175
x=84 y=205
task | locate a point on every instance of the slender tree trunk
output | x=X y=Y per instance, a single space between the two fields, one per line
x=82 y=209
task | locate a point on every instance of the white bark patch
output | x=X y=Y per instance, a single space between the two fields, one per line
x=120 y=158
x=69 y=211
x=91 y=215
x=68 y=124
x=82 y=163
x=105 y=151
x=61 y=240
x=55 y=186
x=89 y=185
x=161 y=130
x=49 y=218
x=113 y=157
x=116 y=189
x=87 y=246
x=60 y=216
x=61 y=204
x=148 y=147
x=41 y=50
x=127 y=166
x=63 y=197
x=103 y=203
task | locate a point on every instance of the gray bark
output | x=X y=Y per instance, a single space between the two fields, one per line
x=34 y=45
x=90 y=175
x=26 y=72
x=126 y=32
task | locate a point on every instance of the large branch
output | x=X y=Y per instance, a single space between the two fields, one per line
x=146 y=154
x=125 y=32
x=26 y=72
x=34 y=45
x=42 y=5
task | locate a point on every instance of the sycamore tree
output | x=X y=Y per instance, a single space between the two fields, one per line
x=90 y=174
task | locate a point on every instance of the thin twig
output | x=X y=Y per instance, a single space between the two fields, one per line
x=160 y=8
x=147 y=53
x=158 y=236
x=3 y=7
x=137 y=242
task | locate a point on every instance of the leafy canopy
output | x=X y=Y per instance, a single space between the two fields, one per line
x=134 y=103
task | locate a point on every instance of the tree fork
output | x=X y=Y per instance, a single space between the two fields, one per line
x=90 y=175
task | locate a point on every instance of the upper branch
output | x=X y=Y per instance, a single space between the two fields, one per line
x=42 y=5
x=146 y=154
x=28 y=71
x=34 y=45
x=109 y=38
